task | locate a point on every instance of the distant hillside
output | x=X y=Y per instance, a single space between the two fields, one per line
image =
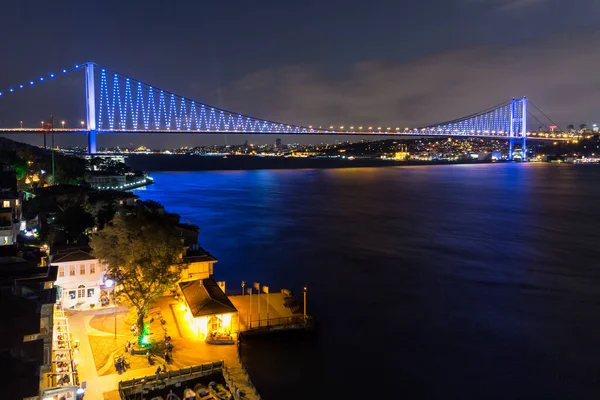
x=35 y=164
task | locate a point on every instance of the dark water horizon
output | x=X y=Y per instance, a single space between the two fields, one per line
x=427 y=282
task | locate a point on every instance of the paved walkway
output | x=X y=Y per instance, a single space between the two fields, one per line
x=189 y=349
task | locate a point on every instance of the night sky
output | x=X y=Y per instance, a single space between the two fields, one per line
x=327 y=62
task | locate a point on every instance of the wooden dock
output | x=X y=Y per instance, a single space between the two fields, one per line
x=269 y=312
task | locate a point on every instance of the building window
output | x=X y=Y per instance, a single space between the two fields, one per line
x=17 y=202
x=81 y=291
x=6 y=204
x=61 y=271
x=72 y=294
x=91 y=292
x=92 y=268
x=71 y=270
x=82 y=269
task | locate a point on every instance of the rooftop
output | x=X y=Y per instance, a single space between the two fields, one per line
x=72 y=255
x=205 y=297
x=196 y=253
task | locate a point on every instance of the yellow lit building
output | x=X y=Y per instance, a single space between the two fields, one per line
x=402 y=155
x=208 y=311
x=200 y=264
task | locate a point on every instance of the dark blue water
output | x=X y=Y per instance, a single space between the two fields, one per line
x=435 y=282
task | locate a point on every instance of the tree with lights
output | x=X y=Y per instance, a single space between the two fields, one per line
x=143 y=253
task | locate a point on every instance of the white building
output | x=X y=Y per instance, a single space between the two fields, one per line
x=80 y=279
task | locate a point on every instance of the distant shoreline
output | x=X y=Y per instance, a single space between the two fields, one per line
x=183 y=162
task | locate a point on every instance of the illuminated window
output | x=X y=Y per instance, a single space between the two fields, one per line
x=82 y=269
x=6 y=204
x=92 y=268
x=81 y=291
x=71 y=270
x=90 y=292
x=17 y=202
x=61 y=271
x=72 y=294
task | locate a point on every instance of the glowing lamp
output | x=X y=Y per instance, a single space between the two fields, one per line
x=109 y=283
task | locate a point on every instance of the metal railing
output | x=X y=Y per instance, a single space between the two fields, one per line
x=163 y=378
x=296 y=320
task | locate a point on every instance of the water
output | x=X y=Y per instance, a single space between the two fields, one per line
x=475 y=281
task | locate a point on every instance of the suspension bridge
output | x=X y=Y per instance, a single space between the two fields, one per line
x=116 y=103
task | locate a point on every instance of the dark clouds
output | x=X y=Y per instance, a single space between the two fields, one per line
x=559 y=74
x=317 y=62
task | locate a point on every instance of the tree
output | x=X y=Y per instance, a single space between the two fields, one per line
x=143 y=256
x=75 y=221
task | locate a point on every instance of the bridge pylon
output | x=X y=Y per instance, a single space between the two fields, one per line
x=91 y=107
x=518 y=127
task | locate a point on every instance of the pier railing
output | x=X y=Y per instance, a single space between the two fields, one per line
x=137 y=385
x=299 y=321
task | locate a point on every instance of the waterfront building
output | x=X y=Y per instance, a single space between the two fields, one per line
x=81 y=278
x=207 y=309
x=129 y=180
x=200 y=264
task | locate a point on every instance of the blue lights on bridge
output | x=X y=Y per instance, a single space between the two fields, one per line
x=124 y=104
x=41 y=79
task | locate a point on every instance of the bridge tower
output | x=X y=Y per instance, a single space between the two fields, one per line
x=518 y=127
x=91 y=107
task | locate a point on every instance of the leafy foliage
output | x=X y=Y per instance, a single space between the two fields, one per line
x=142 y=251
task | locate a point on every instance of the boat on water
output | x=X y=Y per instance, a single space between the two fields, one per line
x=202 y=393
x=172 y=396
x=219 y=391
x=189 y=394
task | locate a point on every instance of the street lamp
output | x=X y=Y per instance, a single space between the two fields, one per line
x=21 y=124
x=305 y=303
x=82 y=123
x=63 y=124
x=109 y=283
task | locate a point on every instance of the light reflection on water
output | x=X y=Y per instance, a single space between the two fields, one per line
x=442 y=281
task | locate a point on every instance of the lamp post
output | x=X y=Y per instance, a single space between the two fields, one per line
x=21 y=124
x=110 y=284
x=82 y=123
x=243 y=285
x=43 y=133
x=305 y=302
x=63 y=124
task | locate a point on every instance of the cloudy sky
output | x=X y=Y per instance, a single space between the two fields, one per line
x=311 y=62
